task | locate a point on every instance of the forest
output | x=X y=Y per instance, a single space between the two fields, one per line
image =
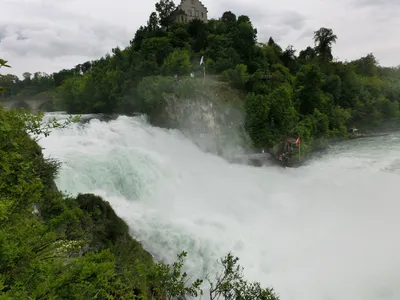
x=58 y=246
x=283 y=93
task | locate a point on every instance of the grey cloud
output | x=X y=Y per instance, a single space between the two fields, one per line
x=48 y=35
x=2 y=32
x=267 y=31
x=279 y=24
x=268 y=20
x=287 y=19
x=55 y=40
x=308 y=33
x=21 y=37
x=379 y=10
x=293 y=19
x=391 y=3
x=51 y=33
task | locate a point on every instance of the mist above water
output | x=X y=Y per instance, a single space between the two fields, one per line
x=325 y=231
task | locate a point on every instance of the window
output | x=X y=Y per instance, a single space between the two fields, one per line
x=202 y=15
x=197 y=13
x=190 y=13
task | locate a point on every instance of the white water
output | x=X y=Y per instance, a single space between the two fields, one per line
x=326 y=231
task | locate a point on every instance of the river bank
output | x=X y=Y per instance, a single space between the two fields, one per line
x=247 y=154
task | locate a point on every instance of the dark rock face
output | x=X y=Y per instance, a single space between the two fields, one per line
x=109 y=230
x=102 y=117
x=108 y=227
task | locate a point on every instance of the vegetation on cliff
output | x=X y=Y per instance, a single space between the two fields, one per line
x=311 y=94
x=55 y=246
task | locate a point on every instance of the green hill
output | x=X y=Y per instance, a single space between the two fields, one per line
x=281 y=93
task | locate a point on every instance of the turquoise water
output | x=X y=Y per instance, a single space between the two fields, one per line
x=328 y=230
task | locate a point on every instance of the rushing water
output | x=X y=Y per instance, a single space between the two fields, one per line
x=325 y=231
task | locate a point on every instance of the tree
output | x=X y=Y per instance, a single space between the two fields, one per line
x=169 y=281
x=367 y=66
x=86 y=67
x=27 y=76
x=323 y=39
x=307 y=55
x=230 y=284
x=152 y=23
x=244 y=39
x=289 y=58
x=3 y=64
x=256 y=120
x=197 y=29
x=282 y=113
x=310 y=94
x=178 y=62
x=140 y=35
x=164 y=9
x=261 y=74
x=156 y=47
x=238 y=76
x=179 y=35
x=243 y=19
x=61 y=76
x=151 y=92
x=228 y=17
x=289 y=53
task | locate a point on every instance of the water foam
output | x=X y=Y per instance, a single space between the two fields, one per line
x=328 y=230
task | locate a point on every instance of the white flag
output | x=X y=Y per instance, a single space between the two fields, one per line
x=202 y=61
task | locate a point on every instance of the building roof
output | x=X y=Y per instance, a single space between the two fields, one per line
x=199 y=3
x=178 y=12
x=203 y=5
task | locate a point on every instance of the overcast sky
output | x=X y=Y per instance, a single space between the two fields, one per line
x=48 y=35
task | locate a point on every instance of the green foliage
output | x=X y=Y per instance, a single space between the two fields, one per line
x=53 y=246
x=268 y=118
x=3 y=64
x=324 y=38
x=257 y=111
x=283 y=115
x=69 y=248
x=170 y=281
x=287 y=94
x=151 y=91
x=230 y=285
x=107 y=227
x=157 y=49
x=309 y=89
x=164 y=9
x=35 y=124
x=238 y=76
x=177 y=62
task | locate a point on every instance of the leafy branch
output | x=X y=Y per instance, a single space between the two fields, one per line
x=230 y=284
x=3 y=64
x=169 y=282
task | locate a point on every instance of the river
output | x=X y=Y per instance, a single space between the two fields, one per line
x=328 y=230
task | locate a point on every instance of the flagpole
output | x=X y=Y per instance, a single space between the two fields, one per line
x=298 y=143
x=202 y=63
x=299 y=152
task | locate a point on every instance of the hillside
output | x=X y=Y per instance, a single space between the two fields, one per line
x=308 y=94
